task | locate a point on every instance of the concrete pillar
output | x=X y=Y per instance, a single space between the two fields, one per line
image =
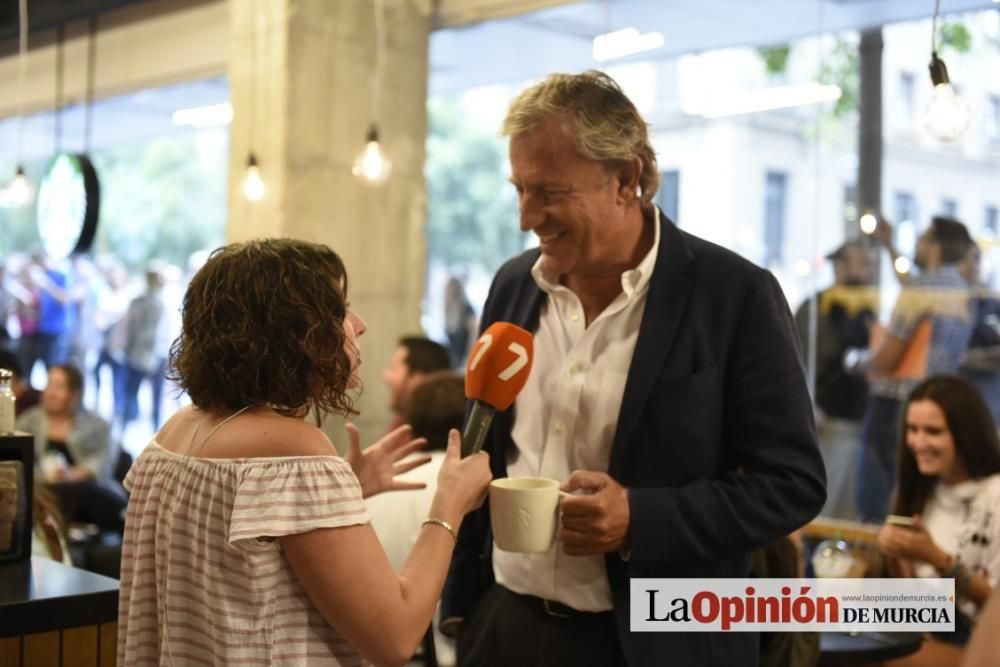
x=301 y=80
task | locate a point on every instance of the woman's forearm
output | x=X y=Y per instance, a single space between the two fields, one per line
x=422 y=576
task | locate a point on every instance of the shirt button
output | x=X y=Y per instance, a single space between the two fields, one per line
x=574 y=369
x=575 y=317
x=560 y=429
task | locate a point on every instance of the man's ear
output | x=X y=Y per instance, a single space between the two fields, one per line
x=629 y=174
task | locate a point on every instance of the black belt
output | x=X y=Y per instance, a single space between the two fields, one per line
x=554 y=609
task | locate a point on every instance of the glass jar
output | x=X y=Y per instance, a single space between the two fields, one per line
x=7 y=401
x=832 y=559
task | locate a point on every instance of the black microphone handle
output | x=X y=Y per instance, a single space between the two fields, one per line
x=476 y=428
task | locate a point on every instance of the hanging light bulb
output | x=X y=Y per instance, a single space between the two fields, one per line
x=254 y=187
x=18 y=190
x=869 y=223
x=372 y=165
x=947 y=115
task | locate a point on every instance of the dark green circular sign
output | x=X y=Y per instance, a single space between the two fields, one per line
x=69 y=200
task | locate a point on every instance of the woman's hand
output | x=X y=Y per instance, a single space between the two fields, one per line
x=912 y=543
x=462 y=483
x=378 y=466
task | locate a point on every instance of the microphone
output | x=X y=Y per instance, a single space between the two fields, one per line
x=499 y=365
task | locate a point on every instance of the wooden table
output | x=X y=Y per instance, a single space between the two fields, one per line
x=53 y=615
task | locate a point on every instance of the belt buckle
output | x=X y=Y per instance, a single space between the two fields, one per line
x=550 y=609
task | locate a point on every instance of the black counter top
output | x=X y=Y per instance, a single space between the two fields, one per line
x=41 y=594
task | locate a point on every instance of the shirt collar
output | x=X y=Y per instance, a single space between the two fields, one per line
x=634 y=281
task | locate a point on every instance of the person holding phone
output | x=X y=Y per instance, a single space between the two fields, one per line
x=949 y=486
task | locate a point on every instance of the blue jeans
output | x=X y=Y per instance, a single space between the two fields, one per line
x=134 y=378
x=878 y=458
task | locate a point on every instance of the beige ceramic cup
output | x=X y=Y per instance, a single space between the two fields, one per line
x=524 y=512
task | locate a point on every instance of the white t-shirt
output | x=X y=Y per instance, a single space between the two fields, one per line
x=397 y=516
x=964 y=521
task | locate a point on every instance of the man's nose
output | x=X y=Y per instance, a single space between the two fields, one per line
x=531 y=212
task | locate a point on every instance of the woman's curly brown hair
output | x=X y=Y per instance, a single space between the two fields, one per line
x=264 y=324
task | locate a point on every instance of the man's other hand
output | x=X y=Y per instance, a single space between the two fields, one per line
x=596 y=521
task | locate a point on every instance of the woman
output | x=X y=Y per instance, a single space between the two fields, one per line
x=247 y=540
x=949 y=483
x=72 y=444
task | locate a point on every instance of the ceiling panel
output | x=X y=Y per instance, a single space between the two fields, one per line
x=560 y=38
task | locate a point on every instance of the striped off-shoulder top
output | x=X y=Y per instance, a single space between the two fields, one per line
x=203 y=579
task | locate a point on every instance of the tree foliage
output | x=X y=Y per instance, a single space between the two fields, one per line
x=162 y=200
x=472 y=210
x=841 y=67
x=954 y=36
x=775 y=58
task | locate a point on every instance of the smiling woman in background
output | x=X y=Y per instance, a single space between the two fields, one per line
x=949 y=483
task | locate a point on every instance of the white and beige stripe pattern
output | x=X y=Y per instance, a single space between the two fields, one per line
x=203 y=580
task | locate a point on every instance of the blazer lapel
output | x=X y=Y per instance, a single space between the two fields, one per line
x=524 y=310
x=668 y=293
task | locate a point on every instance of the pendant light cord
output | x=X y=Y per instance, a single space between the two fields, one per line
x=379 y=74
x=91 y=78
x=22 y=70
x=254 y=29
x=934 y=21
x=60 y=62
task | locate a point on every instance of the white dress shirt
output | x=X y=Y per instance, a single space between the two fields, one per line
x=565 y=420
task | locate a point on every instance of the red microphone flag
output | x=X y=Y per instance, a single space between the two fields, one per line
x=499 y=365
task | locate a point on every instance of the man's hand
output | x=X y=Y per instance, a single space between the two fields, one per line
x=377 y=466
x=884 y=234
x=595 y=523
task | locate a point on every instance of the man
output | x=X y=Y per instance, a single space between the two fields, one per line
x=666 y=393
x=939 y=294
x=432 y=409
x=147 y=345
x=434 y=406
x=845 y=310
x=981 y=366
x=415 y=357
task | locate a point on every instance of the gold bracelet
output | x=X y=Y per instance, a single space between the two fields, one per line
x=443 y=524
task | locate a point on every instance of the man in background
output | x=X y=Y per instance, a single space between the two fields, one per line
x=434 y=407
x=938 y=294
x=414 y=359
x=982 y=361
x=845 y=311
x=147 y=344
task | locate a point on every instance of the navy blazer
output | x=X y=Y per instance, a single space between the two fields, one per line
x=715 y=440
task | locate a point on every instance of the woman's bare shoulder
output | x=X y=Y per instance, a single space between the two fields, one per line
x=275 y=435
x=254 y=434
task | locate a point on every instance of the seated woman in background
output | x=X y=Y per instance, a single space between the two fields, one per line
x=949 y=483
x=71 y=443
x=247 y=539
